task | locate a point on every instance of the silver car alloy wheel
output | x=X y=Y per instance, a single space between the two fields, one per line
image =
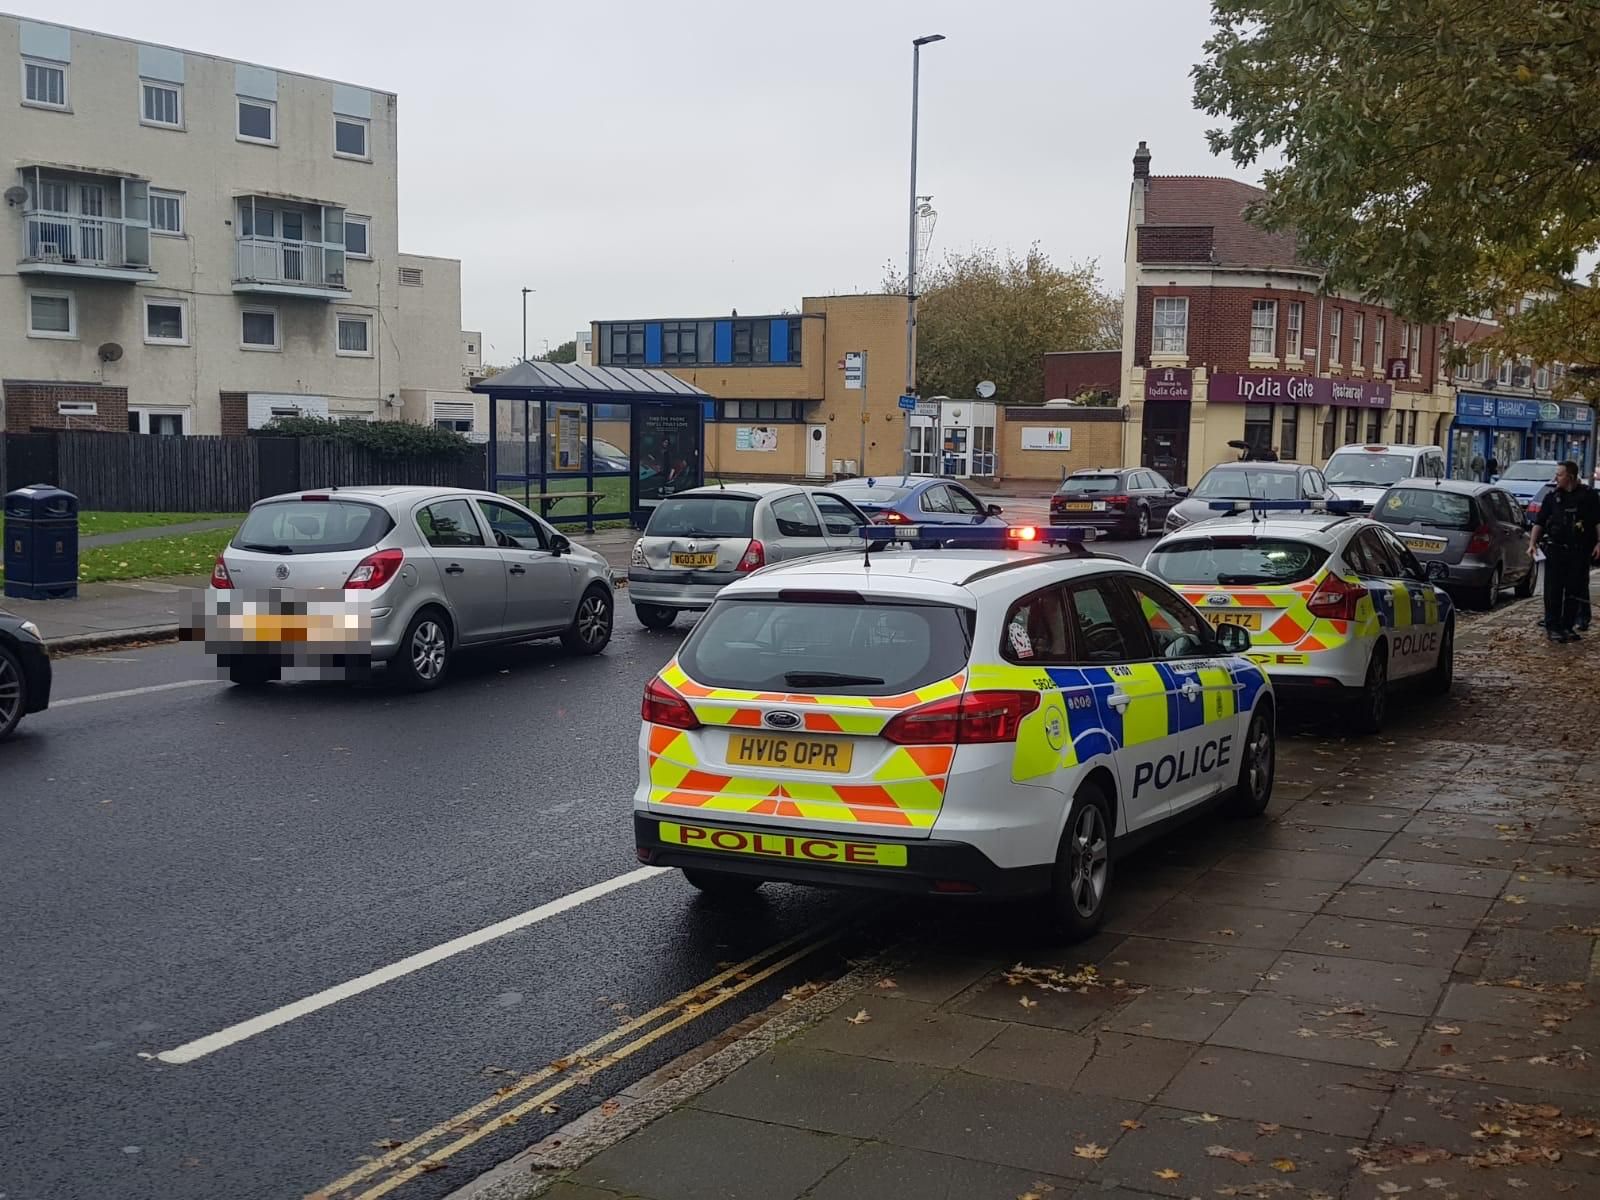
x=10 y=693
x=592 y=620
x=1088 y=860
x=428 y=649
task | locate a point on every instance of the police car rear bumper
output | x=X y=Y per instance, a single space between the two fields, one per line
x=933 y=866
x=1298 y=672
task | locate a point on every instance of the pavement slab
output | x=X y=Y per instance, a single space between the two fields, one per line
x=1028 y=1002
x=1451 y=1115
x=1189 y=920
x=1157 y=962
x=1227 y=887
x=1298 y=835
x=1385 y=987
x=672 y=1159
x=1301 y=1093
x=899 y=1031
x=1409 y=906
x=885 y=1172
x=1452 y=880
x=1184 y=1015
x=1334 y=815
x=1456 y=850
x=1381 y=941
x=1298 y=864
x=1308 y=1029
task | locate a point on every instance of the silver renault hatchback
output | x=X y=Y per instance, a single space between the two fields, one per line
x=699 y=541
x=399 y=576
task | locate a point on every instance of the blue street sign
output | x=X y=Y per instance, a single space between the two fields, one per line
x=909 y=403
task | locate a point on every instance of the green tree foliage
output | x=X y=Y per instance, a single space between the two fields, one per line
x=1441 y=155
x=564 y=353
x=988 y=315
x=392 y=439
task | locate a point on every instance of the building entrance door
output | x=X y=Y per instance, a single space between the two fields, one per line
x=1166 y=440
x=816 y=451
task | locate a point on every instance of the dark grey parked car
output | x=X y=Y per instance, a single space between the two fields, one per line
x=1475 y=528
x=1244 y=482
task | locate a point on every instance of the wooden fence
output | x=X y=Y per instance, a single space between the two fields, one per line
x=130 y=472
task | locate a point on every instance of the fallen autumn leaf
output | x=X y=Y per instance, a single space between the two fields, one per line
x=1093 y=1152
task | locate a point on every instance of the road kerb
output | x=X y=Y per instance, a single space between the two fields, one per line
x=111 y=639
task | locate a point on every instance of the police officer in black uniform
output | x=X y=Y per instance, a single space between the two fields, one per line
x=1567 y=524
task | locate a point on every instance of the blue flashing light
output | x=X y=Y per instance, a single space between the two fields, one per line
x=977 y=537
x=1266 y=506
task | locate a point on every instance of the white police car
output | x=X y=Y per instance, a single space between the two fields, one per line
x=993 y=721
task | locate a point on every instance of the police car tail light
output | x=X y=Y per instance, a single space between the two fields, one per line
x=1334 y=599
x=219 y=575
x=973 y=718
x=755 y=556
x=663 y=706
x=1481 y=540
x=375 y=570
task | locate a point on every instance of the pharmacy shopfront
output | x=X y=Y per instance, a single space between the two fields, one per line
x=1503 y=429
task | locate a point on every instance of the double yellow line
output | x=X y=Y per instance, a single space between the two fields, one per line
x=448 y=1138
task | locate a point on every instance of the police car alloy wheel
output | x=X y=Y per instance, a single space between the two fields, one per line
x=1444 y=670
x=1257 y=768
x=1083 y=866
x=1372 y=708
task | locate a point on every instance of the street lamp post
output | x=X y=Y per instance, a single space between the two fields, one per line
x=525 y=292
x=911 y=239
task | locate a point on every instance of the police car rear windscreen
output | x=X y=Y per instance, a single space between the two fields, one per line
x=1237 y=561
x=852 y=648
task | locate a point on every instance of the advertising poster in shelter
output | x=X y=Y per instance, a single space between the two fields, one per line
x=667 y=449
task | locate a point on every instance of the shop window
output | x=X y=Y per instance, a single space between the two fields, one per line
x=1375 y=427
x=1258 y=426
x=1352 y=425
x=1330 y=433
x=1289 y=436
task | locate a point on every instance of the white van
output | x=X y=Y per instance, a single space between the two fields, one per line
x=1363 y=473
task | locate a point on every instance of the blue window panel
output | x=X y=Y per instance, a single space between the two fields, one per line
x=780 y=341
x=724 y=341
x=652 y=343
x=708 y=410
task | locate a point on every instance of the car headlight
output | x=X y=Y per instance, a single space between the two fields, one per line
x=1174 y=522
x=32 y=630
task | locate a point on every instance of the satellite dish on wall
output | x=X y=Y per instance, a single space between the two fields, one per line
x=16 y=195
x=985 y=389
x=110 y=352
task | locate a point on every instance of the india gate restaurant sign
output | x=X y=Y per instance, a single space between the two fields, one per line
x=1227 y=388
x=1169 y=383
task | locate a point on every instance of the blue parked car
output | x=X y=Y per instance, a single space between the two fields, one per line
x=1526 y=478
x=917 y=500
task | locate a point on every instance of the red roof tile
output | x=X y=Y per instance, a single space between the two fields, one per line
x=1220 y=203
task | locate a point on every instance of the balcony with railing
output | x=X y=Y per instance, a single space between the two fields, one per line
x=84 y=225
x=289 y=249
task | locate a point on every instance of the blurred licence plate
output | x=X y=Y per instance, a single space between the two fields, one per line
x=1426 y=545
x=1078 y=506
x=694 y=560
x=773 y=750
x=1245 y=620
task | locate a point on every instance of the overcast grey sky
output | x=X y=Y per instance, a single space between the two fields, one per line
x=683 y=159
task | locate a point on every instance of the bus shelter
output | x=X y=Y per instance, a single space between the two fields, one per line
x=589 y=444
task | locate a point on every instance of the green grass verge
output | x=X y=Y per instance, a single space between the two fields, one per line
x=92 y=523
x=564 y=512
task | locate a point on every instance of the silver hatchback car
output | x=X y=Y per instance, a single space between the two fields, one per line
x=699 y=541
x=400 y=576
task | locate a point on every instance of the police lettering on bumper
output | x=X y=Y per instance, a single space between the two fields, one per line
x=1163 y=772
x=783 y=845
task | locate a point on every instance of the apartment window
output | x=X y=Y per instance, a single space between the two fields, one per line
x=52 y=315
x=1522 y=373
x=166 y=322
x=358 y=236
x=761 y=410
x=1485 y=368
x=355 y=335
x=1358 y=331
x=1264 y=328
x=44 y=83
x=78 y=408
x=350 y=137
x=161 y=104
x=1170 y=325
x=1542 y=379
x=1379 y=333
x=1289 y=436
x=166 y=212
x=1336 y=336
x=1416 y=350
x=623 y=345
x=1504 y=372
x=258 y=121
x=163 y=422
x=259 y=329
x=741 y=341
x=1296 y=330
x=410 y=276
x=1405 y=339
x=680 y=342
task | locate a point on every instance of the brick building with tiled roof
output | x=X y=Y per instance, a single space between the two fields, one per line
x=1228 y=336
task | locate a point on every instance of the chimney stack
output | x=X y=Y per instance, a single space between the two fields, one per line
x=1141 y=162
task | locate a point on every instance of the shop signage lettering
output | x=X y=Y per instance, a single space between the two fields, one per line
x=1169 y=383
x=1230 y=388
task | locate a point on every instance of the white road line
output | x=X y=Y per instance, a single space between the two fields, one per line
x=138 y=691
x=211 y=1043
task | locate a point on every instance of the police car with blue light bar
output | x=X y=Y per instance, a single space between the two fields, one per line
x=1337 y=607
x=973 y=712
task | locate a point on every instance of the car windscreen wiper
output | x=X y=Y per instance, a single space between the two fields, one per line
x=825 y=678
x=264 y=548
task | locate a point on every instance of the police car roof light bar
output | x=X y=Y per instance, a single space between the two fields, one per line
x=1266 y=506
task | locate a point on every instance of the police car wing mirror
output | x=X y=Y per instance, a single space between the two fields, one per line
x=994 y=510
x=1234 y=639
x=1436 y=571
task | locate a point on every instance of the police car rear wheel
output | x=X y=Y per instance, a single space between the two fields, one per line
x=1372 y=708
x=716 y=884
x=1257 y=768
x=1444 y=669
x=655 y=616
x=1083 y=867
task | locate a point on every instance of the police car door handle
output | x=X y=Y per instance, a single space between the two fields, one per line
x=1119 y=699
x=1191 y=689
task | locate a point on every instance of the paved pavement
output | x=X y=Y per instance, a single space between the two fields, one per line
x=1386 y=987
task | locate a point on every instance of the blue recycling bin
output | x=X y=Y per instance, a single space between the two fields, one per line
x=41 y=551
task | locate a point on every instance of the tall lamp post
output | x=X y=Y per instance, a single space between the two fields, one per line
x=525 y=292
x=911 y=238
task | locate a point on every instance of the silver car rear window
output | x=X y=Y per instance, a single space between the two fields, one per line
x=1427 y=506
x=847 y=646
x=312 y=527
x=702 y=516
